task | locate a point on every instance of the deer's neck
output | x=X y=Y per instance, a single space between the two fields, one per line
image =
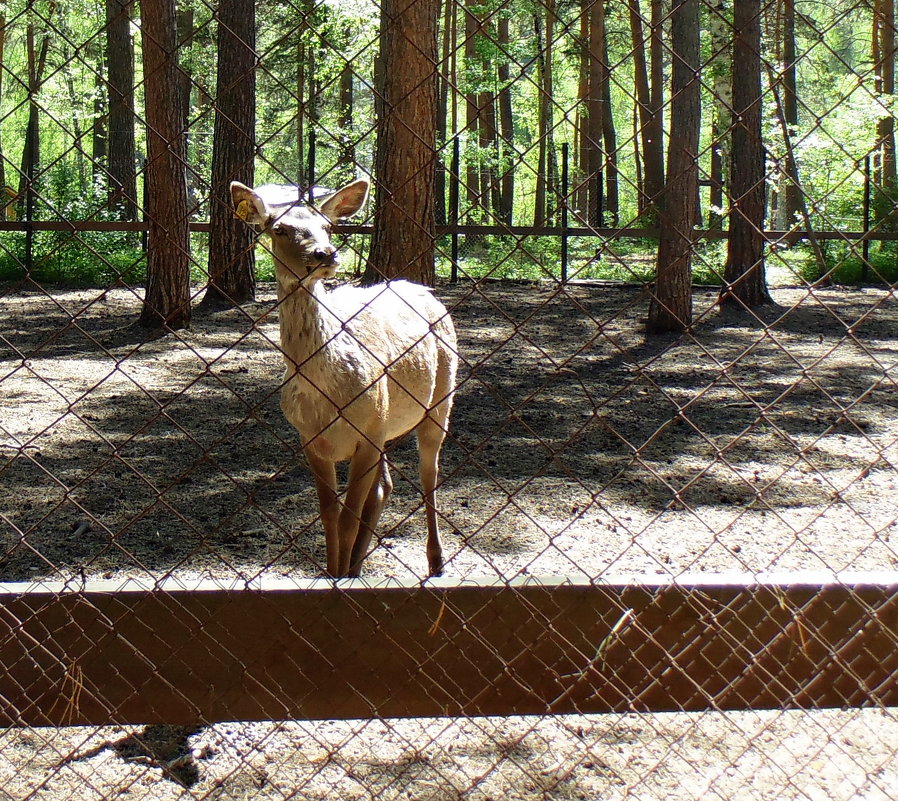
x=307 y=326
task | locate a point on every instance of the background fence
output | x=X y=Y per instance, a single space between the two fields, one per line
x=669 y=557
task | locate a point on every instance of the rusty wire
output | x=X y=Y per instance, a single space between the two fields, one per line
x=580 y=451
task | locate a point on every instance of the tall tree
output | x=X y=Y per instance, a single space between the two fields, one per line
x=121 y=166
x=344 y=117
x=231 y=259
x=306 y=94
x=474 y=68
x=609 y=139
x=788 y=195
x=167 y=299
x=31 y=147
x=670 y=308
x=100 y=124
x=745 y=283
x=402 y=243
x=720 y=69
x=593 y=76
x=884 y=52
x=3 y=34
x=446 y=114
x=545 y=50
x=650 y=118
x=507 y=156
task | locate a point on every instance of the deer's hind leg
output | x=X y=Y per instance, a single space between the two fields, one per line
x=377 y=498
x=430 y=439
x=431 y=432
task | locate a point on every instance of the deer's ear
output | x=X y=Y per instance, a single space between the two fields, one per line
x=346 y=201
x=248 y=206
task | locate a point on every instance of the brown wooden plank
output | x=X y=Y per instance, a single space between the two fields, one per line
x=174 y=655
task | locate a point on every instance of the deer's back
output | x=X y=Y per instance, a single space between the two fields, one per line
x=381 y=371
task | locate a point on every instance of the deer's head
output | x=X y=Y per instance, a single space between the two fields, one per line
x=300 y=234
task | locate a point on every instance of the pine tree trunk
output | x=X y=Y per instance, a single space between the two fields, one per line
x=507 y=155
x=670 y=309
x=31 y=148
x=472 y=107
x=544 y=123
x=745 y=282
x=720 y=69
x=402 y=244
x=167 y=299
x=4 y=199
x=231 y=252
x=598 y=75
x=649 y=187
x=655 y=156
x=445 y=131
x=884 y=44
x=345 y=120
x=120 y=91
x=788 y=205
x=99 y=149
x=609 y=138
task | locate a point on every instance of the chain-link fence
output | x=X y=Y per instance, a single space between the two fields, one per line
x=666 y=516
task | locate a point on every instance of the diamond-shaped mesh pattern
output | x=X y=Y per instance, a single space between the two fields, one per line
x=667 y=491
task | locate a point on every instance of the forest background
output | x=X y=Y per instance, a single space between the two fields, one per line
x=555 y=122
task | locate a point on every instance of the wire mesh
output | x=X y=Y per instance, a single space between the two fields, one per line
x=761 y=439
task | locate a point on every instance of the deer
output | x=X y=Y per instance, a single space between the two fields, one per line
x=365 y=365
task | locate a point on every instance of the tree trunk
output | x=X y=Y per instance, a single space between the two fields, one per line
x=305 y=94
x=656 y=96
x=745 y=284
x=445 y=129
x=581 y=145
x=884 y=174
x=31 y=148
x=652 y=183
x=720 y=69
x=609 y=138
x=489 y=189
x=671 y=304
x=4 y=199
x=507 y=156
x=472 y=107
x=788 y=196
x=231 y=251
x=596 y=76
x=402 y=243
x=167 y=299
x=121 y=166
x=345 y=120
x=543 y=83
x=99 y=146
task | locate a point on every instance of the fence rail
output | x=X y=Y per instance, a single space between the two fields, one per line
x=99 y=654
x=667 y=493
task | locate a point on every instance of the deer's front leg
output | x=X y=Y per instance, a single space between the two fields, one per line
x=363 y=470
x=325 y=475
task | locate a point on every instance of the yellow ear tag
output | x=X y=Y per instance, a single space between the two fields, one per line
x=244 y=210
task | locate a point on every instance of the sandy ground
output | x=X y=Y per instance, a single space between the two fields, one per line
x=578 y=447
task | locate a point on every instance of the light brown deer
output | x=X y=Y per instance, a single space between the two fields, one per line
x=365 y=365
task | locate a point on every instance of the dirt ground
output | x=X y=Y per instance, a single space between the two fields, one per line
x=578 y=446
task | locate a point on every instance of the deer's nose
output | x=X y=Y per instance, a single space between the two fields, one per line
x=325 y=253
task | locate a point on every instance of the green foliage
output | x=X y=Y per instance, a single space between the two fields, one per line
x=306 y=46
x=82 y=257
